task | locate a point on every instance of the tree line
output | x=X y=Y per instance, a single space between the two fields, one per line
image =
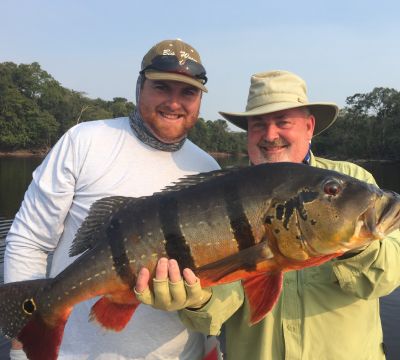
x=368 y=127
x=35 y=110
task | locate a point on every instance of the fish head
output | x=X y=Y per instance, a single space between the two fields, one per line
x=332 y=214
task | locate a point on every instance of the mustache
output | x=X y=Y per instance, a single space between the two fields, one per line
x=278 y=142
x=166 y=109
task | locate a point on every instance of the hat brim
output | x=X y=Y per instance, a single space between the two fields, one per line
x=325 y=114
x=161 y=75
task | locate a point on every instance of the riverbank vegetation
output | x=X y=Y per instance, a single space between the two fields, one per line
x=35 y=110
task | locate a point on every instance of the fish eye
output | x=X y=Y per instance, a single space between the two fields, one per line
x=332 y=187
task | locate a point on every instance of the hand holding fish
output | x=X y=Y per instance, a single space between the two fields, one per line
x=170 y=291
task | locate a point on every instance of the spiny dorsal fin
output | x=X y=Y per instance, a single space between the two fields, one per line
x=94 y=226
x=190 y=180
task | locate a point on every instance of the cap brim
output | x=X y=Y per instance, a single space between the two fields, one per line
x=159 y=75
x=325 y=114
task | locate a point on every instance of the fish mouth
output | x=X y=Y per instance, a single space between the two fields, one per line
x=381 y=217
x=367 y=225
x=388 y=209
x=377 y=221
x=366 y=230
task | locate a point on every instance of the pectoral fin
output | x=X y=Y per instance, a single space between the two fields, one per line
x=242 y=265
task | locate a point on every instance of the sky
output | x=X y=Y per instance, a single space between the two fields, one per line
x=339 y=48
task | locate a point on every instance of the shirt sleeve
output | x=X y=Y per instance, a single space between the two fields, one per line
x=374 y=272
x=224 y=302
x=39 y=223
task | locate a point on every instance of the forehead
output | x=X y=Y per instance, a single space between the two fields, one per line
x=288 y=113
x=171 y=84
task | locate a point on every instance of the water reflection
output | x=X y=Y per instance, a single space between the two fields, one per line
x=232 y=161
x=386 y=174
x=15 y=176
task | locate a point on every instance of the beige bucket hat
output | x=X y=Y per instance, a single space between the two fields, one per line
x=174 y=60
x=281 y=90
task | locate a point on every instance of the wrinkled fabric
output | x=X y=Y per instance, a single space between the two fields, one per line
x=329 y=312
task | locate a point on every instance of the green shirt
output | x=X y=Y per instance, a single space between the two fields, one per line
x=329 y=312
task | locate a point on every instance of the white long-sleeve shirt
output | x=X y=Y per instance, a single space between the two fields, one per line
x=93 y=160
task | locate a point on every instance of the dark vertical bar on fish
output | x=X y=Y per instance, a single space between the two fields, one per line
x=119 y=253
x=239 y=222
x=176 y=245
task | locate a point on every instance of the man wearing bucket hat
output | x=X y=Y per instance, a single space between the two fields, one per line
x=130 y=156
x=276 y=105
x=329 y=312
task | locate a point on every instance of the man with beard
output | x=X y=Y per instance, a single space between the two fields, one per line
x=130 y=156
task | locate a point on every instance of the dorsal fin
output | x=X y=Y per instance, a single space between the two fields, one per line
x=94 y=226
x=194 y=179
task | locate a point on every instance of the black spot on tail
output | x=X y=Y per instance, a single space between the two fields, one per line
x=176 y=246
x=17 y=304
x=29 y=306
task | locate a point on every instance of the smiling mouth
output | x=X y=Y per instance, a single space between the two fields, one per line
x=271 y=149
x=170 y=116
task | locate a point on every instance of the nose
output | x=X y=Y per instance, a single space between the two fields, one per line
x=271 y=133
x=173 y=101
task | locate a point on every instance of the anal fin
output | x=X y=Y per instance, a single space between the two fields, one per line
x=113 y=315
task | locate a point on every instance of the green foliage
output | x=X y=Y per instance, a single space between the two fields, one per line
x=214 y=136
x=367 y=128
x=35 y=110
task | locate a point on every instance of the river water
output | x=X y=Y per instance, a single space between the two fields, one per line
x=15 y=176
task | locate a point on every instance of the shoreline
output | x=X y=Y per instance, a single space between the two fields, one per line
x=225 y=154
x=24 y=153
x=43 y=152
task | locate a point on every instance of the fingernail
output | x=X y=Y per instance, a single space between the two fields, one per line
x=173 y=262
